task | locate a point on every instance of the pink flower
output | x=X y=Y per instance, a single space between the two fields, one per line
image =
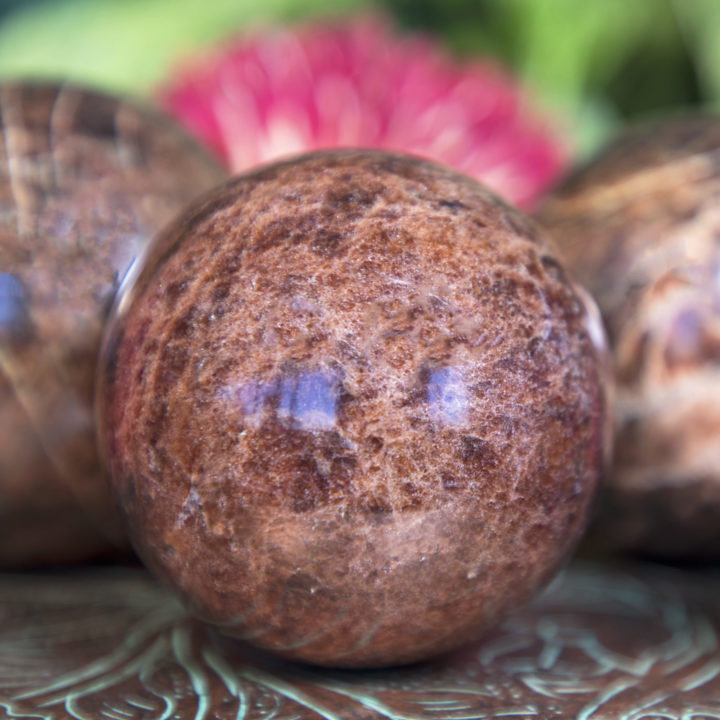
x=360 y=85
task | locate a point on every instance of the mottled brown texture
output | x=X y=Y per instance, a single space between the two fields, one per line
x=639 y=225
x=85 y=181
x=352 y=408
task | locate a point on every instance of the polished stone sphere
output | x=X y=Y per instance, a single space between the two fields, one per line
x=639 y=226
x=85 y=181
x=353 y=408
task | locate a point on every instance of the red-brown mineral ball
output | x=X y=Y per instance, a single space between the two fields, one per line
x=352 y=408
x=640 y=226
x=85 y=180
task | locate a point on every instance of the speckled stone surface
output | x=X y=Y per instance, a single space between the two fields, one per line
x=85 y=180
x=636 y=643
x=639 y=226
x=352 y=408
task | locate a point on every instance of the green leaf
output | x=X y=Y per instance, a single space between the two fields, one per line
x=700 y=19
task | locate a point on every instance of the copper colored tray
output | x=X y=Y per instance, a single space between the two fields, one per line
x=600 y=643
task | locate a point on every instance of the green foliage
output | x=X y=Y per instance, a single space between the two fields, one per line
x=700 y=21
x=129 y=45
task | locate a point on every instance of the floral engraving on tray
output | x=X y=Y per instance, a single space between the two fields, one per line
x=116 y=646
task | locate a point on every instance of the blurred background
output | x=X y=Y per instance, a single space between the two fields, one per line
x=591 y=65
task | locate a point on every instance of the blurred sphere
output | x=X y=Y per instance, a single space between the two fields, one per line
x=639 y=225
x=85 y=181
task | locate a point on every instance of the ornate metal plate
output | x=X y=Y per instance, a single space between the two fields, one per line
x=599 y=644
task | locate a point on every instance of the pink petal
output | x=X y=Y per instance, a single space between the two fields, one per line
x=358 y=84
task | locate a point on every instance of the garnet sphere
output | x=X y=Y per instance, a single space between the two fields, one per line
x=353 y=408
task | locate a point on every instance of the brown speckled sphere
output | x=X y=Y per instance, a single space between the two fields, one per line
x=352 y=408
x=85 y=181
x=640 y=227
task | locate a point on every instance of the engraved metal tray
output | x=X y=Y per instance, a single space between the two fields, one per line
x=601 y=643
